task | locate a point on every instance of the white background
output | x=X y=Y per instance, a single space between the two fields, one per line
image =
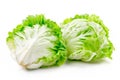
x=12 y=12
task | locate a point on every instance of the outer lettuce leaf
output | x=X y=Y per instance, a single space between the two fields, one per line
x=91 y=18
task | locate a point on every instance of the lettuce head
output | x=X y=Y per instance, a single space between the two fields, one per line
x=86 y=38
x=37 y=42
